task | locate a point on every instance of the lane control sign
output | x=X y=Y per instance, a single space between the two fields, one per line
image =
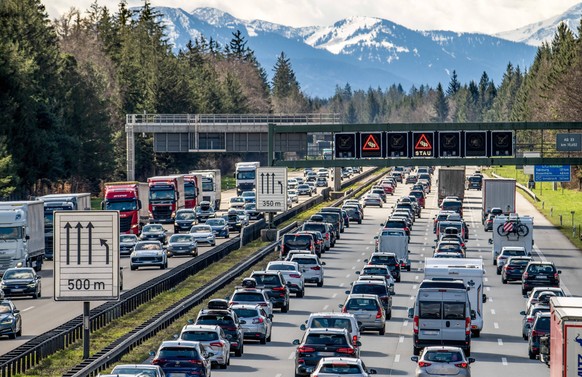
x=271 y=189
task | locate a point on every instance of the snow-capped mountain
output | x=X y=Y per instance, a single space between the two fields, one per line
x=544 y=31
x=362 y=51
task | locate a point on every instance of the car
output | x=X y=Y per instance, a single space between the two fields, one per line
x=323 y=172
x=350 y=202
x=292 y=183
x=442 y=360
x=529 y=317
x=304 y=189
x=249 y=294
x=203 y=233
x=236 y=202
x=127 y=243
x=182 y=244
x=148 y=254
x=21 y=281
x=313 y=186
x=233 y=220
x=538 y=274
x=275 y=286
x=296 y=241
x=311 y=267
x=258 y=323
x=153 y=232
x=184 y=220
x=318 y=240
x=251 y=211
x=138 y=370
x=293 y=195
x=321 y=181
x=214 y=340
x=452 y=205
x=453 y=237
x=183 y=357
x=397 y=175
x=441 y=216
x=474 y=182
x=534 y=294
x=334 y=320
x=539 y=328
x=205 y=211
x=397 y=223
x=411 y=179
x=323 y=228
x=449 y=254
x=372 y=200
x=354 y=213
x=293 y=276
x=340 y=366
x=388 y=186
x=219 y=227
x=368 y=310
x=218 y=313
x=311 y=176
x=387 y=259
x=380 y=192
x=319 y=342
x=420 y=197
x=10 y=320
x=448 y=246
x=249 y=197
x=372 y=270
x=513 y=268
x=507 y=252
x=374 y=287
x=488 y=224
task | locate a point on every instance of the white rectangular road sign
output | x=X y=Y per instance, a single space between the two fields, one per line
x=271 y=189
x=86 y=255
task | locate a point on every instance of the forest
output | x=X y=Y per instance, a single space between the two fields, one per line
x=67 y=84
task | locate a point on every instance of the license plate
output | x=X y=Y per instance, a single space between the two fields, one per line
x=541 y=277
x=326 y=354
x=430 y=332
x=17 y=289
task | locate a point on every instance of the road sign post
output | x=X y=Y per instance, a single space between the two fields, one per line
x=271 y=186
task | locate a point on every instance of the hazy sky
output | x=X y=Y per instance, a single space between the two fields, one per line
x=486 y=16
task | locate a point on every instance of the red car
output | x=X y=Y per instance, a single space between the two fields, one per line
x=419 y=197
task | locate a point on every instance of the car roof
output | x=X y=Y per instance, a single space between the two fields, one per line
x=443 y=348
x=347 y=360
x=332 y=314
x=383 y=253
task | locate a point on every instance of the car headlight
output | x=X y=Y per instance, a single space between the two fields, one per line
x=31 y=285
x=7 y=321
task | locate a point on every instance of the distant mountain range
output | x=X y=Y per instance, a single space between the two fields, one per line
x=365 y=51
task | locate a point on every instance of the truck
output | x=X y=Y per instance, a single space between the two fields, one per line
x=131 y=199
x=471 y=272
x=565 y=337
x=60 y=202
x=451 y=182
x=166 y=197
x=512 y=230
x=210 y=185
x=191 y=190
x=22 y=234
x=328 y=154
x=497 y=193
x=245 y=175
x=395 y=240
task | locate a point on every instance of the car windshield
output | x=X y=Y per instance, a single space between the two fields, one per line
x=215 y=320
x=331 y=323
x=304 y=260
x=383 y=259
x=451 y=205
x=281 y=267
x=326 y=339
x=185 y=216
x=246 y=313
x=314 y=227
x=200 y=229
x=215 y=222
x=248 y=194
x=512 y=252
x=374 y=271
x=148 y=246
x=540 y=269
x=542 y=323
x=443 y=356
x=153 y=228
x=181 y=238
x=250 y=207
x=237 y=199
x=199 y=336
x=172 y=353
x=361 y=304
x=17 y=274
x=135 y=371
x=267 y=280
x=248 y=296
x=298 y=240
x=519 y=262
x=375 y=289
x=128 y=238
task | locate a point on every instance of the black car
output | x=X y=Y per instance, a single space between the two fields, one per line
x=540 y=327
x=184 y=220
x=10 y=320
x=275 y=285
x=474 y=182
x=251 y=210
x=318 y=343
x=386 y=259
x=153 y=232
x=127 y=243
x=354 y=213
x=539 y=274
x=296 y=241
x=218 y=314
x=21 y=281
x=182 y=358
x=204 y=211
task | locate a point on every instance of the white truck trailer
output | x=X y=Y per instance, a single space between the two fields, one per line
x=471 y=271
x=565 y=336
x=211 y=186
x=395 y=241
x=22 y=234
x=497 y=193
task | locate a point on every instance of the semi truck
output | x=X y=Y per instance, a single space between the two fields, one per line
x=131 y=199
x=565 y=337
x=451 y=182
x=497 y=193
x=60 y=202
x=471 y=272
x=166 y=197
x=191 y=190
x=22 y=234
x=210 y=185
x=512 y=230
x=245 y=175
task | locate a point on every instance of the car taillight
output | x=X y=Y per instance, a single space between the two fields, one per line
x=402 y=264
x=534 y=333
x=158 y=361
x=216 y=344
x=525 y=275
x=556 y=276
x=230 y=303
x=344 y=310
x=347 y=350
x=424 y=364
x=462 y=365
x=279 y=289
x=354 y=339
x=316 y=268
x=257 y=320
x=530 y=319
x=327 y=236
x=467 y=325
x=406 y=229
x=295 y=276
x=415 y=324
x=305 y=349
x=379 y=314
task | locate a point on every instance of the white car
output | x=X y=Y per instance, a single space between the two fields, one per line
x=203 y=234
x=342 y=366
x=237 y=202
x=311 y=268
x=292 y=274
x=292 y=183
x=213 y=338
x=293 y=195
x=147 y=254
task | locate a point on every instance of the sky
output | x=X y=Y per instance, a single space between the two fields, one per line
x=484 y=16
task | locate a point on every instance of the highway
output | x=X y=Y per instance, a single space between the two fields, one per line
x=44 y=314
x=500 y=349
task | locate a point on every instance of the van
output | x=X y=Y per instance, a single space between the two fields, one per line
x=442 y=316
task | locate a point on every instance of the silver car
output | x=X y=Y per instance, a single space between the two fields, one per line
x=127 y=243
x=292 y=274
x=203 y=234
x=440 y=361
x=311 y=267
x=368 y=310
x=136 y=369
x=252 y=296
x=148 y=254
x=258 y=324
x=212 y=337
x=182 y=244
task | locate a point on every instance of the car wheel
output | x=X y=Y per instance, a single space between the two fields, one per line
x=498 y=271
x=300 y=294
x=269 y=337
x=504 y=281
x=408 y=268
x=523 y=292
x=468 y=352
x=495 y=262
x=285 y=308
x=524 y=336
x=415 y=351
x=19 y=332
x=263 y=340
x=389 y=315
x=382 y=331
x=476 y=333
x=12 y=335
x=238 y=352
x=320 y=283
x=163 y=266
x=223 y=366
x=398 y=279
x=132 y=267
x=213 y=244
x=227 y=235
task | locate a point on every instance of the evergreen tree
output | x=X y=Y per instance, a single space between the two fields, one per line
x=441 y=107
x=454 y=85
x=287 y=96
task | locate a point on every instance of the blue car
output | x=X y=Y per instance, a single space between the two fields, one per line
x=219 y=227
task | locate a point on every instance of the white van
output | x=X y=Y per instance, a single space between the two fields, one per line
x=393 y=240
x=442 y=316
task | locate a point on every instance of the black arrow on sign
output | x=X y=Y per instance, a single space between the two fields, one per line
x=90 y=227
x=68 y=229
x=262 y=183
x=280 y=184
x=273 y=183
x=104 y=243
x=78 y=227
x=267 y=182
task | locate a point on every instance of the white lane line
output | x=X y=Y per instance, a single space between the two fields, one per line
x=325 y=307
x=27 y=309
x=401 y=339
x=485 y=279
x=363 y=253
x=347 y=276
x=405 y=323
x=334 y=295
x=368 y=248
x=353 y=267
x=490 y=299
x=291 y=356
x=478 y=245
x=496 y=325
x=358 y=260
x=422 y=255
x=342 y=285
x=500 y=342
x=504 y=361
x=412 y=297
x=278 y=375
x=493 y=311
x=397 y=358
x=414 y=286
x=416 y=277
x=487 y=289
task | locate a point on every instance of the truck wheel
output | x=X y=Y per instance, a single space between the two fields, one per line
x=504 y=281
x=382 y=331
x=476 y=333
x=415 y=351
x=498 y=271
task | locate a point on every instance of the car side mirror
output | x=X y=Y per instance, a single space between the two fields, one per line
x=242 y=322
x=559 y=271
x=340 y=306
x=358 y=272
x=484 y=298
x=347 y=292
x=490 y=241
x=323 y=263
x=303 y=327
x=176 y=336
x=414 y=358
x=473 y=314
x=372 y=371
x=410 y=312
x=296 y=342
x=471 y=360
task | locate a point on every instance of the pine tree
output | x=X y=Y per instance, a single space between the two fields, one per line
x=454 y=85
x=441 y=107
x=287 y=96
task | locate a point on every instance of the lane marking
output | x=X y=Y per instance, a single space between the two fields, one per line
x=397 y=358
x=414 y=286
x=401 y=339
x=358 y=261
x=504 y=361
x=500 y=342
x=496 y=325
x=363 y=253
x=27 y=309
x=412 y=297
x=416 y=277
x=347 y=276
x=342 y=285
x=334 y=295
x=291 y=356
x=405 y=323
x=325 y=307
x=368 y=247
x=485 y=279
x=353 y=267
x=493 y=311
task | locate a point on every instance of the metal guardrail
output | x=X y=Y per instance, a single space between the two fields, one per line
x=259 y=119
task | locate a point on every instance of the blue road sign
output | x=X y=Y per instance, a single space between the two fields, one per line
x=552 y=173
